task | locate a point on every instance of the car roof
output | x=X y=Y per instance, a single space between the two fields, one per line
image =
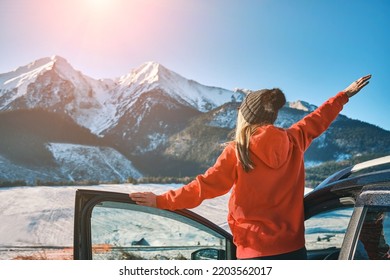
x=366 y=167
x=343 y=187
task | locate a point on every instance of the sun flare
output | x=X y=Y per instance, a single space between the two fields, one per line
x=99 y=4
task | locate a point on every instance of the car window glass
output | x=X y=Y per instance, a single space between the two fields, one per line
x=128 y=231
x=374 y=237
x=327 y=229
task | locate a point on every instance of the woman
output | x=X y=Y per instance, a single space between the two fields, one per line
x=264 y=168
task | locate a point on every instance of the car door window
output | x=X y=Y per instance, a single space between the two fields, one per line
x=325 y=231
x=374 y=237
x=128 y=231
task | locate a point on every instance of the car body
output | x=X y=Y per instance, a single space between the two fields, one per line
x=346 y=217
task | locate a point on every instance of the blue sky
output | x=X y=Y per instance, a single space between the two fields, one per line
x=311 y=49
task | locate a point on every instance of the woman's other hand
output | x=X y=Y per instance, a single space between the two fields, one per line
x=144 y=198
x=357 y=85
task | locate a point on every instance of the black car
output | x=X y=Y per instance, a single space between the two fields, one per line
x=347 y=217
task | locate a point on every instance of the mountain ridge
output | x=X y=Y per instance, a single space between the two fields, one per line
x=162 y=122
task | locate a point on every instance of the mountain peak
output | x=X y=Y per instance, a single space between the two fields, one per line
x=148 y=73
x=24 y=75
x=46 y=62
x=301 y=105
x=151 y=71
x=152 y=75
x=151 y=65
x=59 y=60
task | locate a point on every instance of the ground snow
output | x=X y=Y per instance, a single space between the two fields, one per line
x=43 y=216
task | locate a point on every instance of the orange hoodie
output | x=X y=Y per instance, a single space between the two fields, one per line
x=266 y=214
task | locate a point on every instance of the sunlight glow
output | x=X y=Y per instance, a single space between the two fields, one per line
x=107 y=9
x=99 y=4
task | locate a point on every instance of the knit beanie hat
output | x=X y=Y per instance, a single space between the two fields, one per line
x=262 y=106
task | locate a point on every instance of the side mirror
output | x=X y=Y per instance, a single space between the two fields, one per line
x=208 y=254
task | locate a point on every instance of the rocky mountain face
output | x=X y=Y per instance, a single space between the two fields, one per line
x=58 y=124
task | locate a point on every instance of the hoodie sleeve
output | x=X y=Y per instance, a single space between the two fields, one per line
x=314 y=124
x=217 y=181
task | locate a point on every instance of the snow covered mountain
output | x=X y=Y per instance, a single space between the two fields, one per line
x=151 y=76
x=162 y=123
x=122 y=110
x=53 y=84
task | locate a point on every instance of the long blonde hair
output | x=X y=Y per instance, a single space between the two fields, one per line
x=244 y=131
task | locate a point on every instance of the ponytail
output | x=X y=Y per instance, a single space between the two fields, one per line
x=244 y=131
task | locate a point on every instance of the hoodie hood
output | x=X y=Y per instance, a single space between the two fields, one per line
x=271 y=145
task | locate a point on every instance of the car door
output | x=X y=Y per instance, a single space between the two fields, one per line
x=329 y=208
x=368 y=234
x=325 y=230
x=108 y=225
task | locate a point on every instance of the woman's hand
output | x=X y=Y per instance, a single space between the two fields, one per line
x=144 y=198
x=357 y=85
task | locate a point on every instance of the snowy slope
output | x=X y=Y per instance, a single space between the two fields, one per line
x=225 y=117
x=73 y=163
x=43 y=216
x=11 y=172
x=81 y=162
x=22 y=76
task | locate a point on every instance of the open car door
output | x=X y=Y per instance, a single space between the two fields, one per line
x=109 y=225
x=368 y=234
